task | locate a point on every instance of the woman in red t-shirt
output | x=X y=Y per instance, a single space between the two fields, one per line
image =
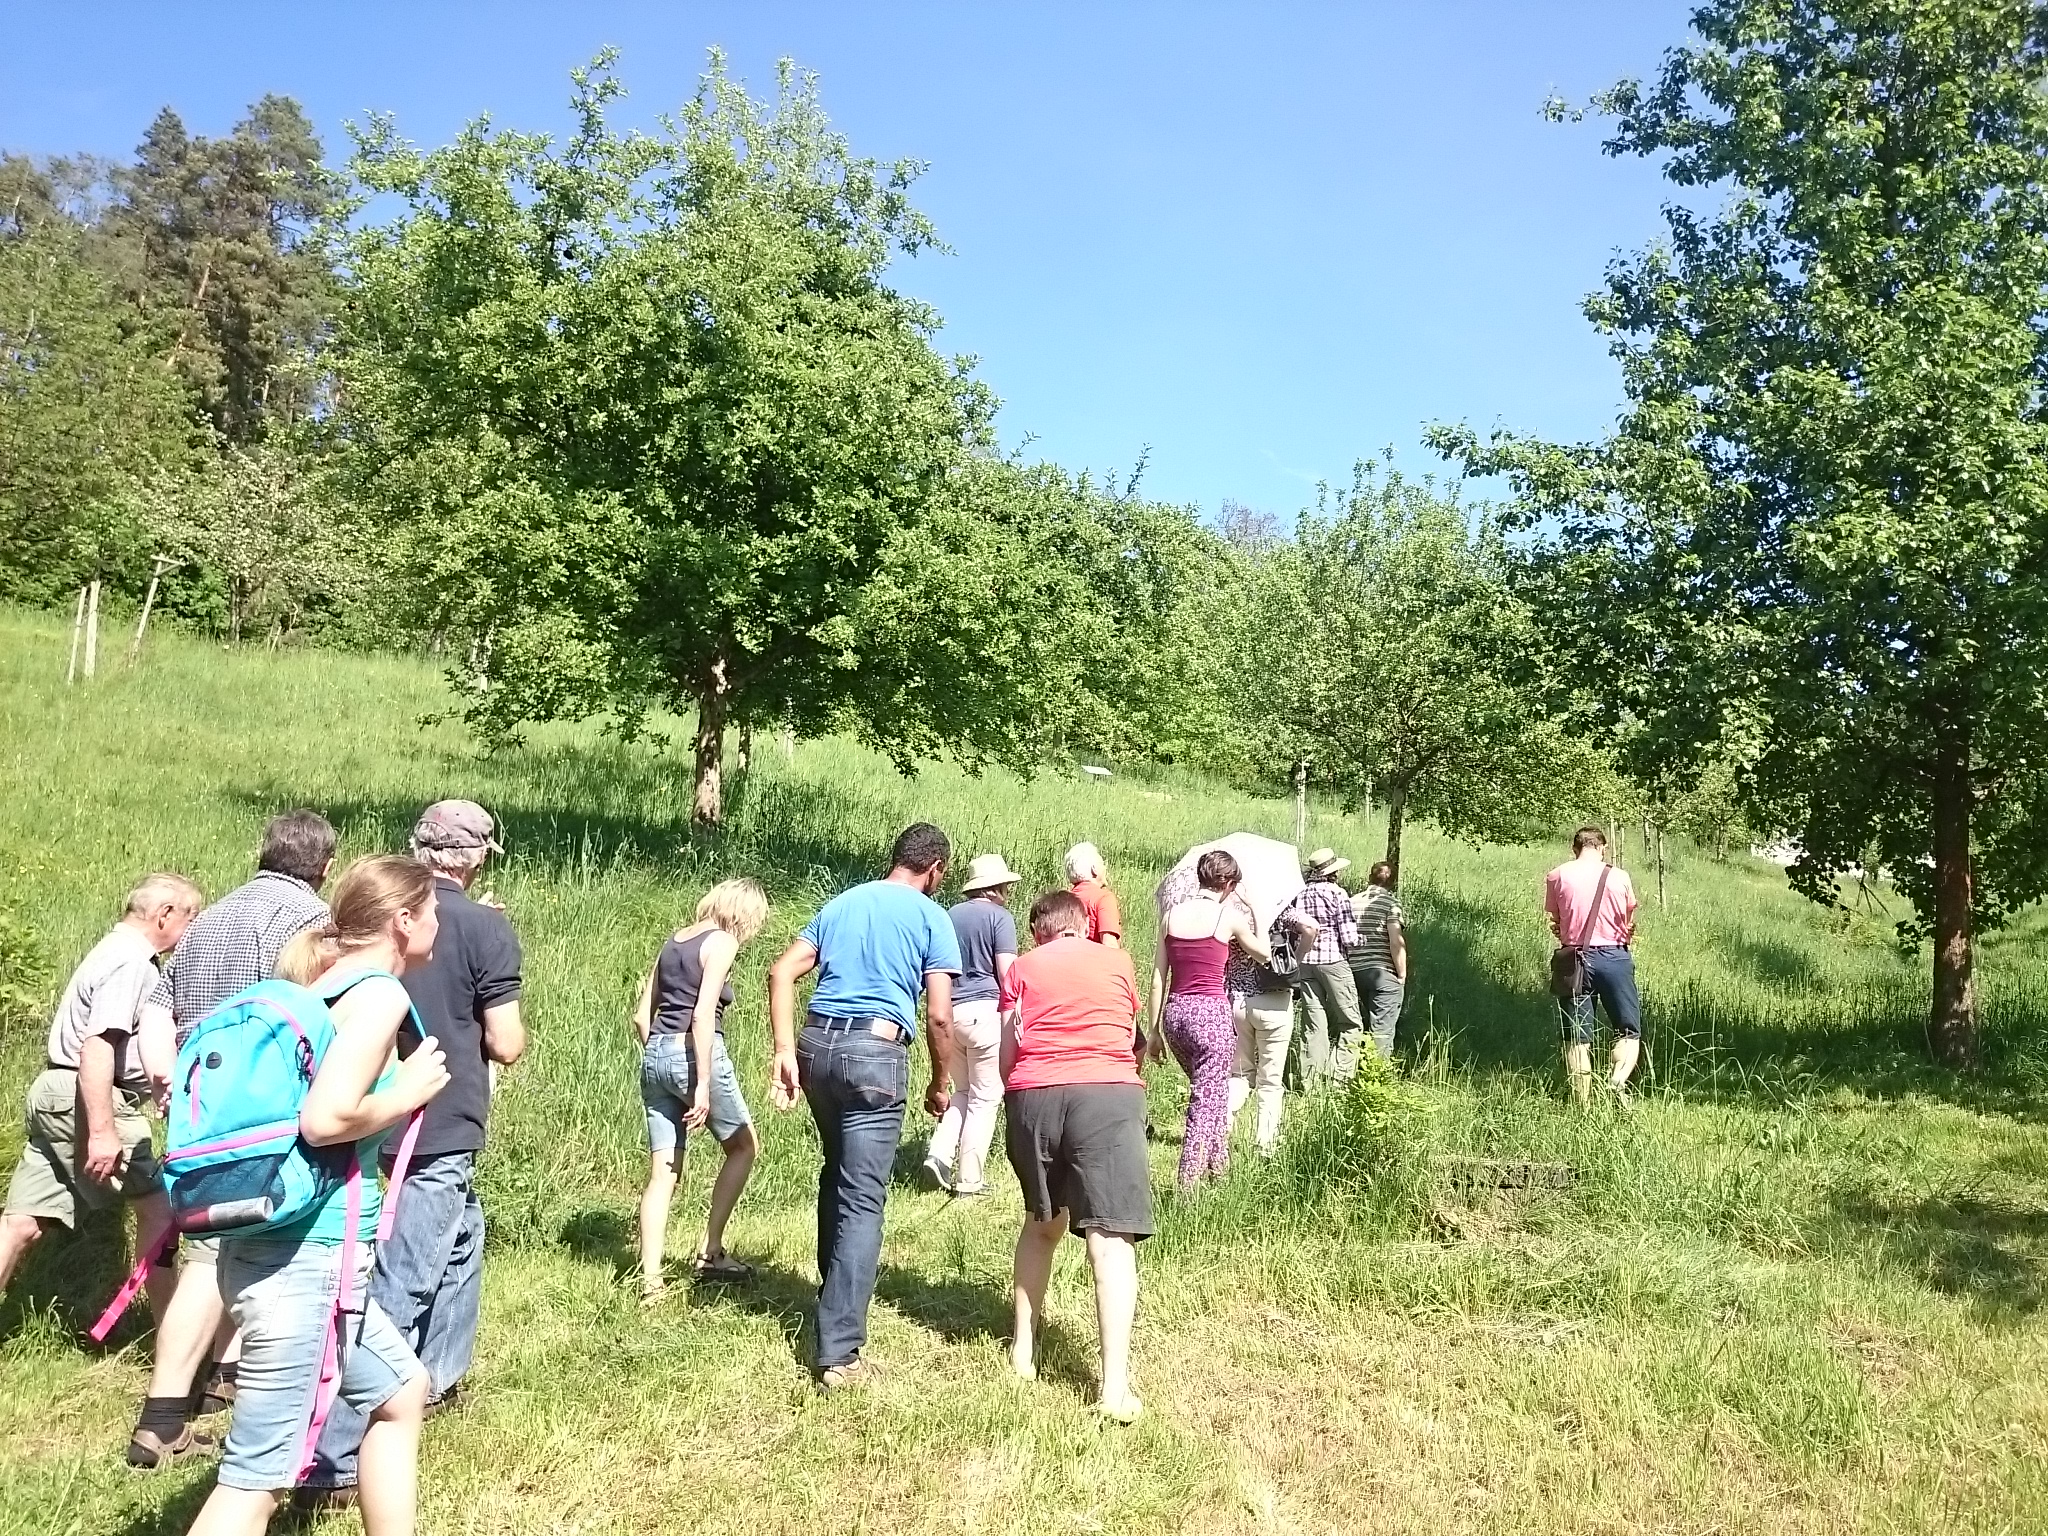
x=1076 y=1129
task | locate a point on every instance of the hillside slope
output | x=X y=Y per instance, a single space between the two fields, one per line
x=1798 y=1289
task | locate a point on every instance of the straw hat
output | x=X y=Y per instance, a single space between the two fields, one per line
x=988 y=869
x=1324 y=861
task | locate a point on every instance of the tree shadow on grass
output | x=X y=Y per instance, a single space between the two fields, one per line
x=1990 y=1254
x=175 y=1515
x=782 y=1295
x=72 y=1275
x=601 y=1235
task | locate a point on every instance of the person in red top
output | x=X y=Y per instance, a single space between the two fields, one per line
x=1076 y=1130
x=1088 y=878
x=1591 y=905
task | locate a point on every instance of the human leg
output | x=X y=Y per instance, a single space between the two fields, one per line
x=654 y=1206
x=1113 y=1261
x=385 y=1383
x=1380 y=995
x=1271 y=1020
x=662 y=1086
x=942 y=1154
x=447 y=1335
x=1030 y=1274
x=740 y=1149
x=858 y=1083
x=1204 y=1040
x=1576 y=1018
x=978 y=1038
x=1337 y=993
x=1314 y=1068
x=1242 y=1064
x=1611 y=972
x=152 y=1221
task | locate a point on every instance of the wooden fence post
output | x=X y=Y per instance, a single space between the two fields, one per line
x=92 y=630
x=77 y=631
x=159 y=564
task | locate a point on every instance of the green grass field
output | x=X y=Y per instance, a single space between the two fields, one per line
x=1798 y=1289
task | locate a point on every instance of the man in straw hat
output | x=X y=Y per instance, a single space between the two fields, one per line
x=988 y=947
x=1332 y=1023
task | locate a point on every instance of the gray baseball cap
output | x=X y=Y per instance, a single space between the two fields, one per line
x=456 y=824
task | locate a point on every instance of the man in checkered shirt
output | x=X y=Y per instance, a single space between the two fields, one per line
x=1332 y=1026
x=233 y=944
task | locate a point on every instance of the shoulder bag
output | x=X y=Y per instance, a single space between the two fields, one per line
x=1568 y=961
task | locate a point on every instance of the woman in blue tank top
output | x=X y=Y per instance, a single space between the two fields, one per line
x=283 y=1285
x=686 y=1077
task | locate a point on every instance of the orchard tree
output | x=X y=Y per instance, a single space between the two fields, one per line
x=1819 y=537
x=1384 y=643
x=644 y=410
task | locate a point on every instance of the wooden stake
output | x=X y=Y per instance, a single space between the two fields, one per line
x=161 y=563
x=77 y=630
x=92 y=630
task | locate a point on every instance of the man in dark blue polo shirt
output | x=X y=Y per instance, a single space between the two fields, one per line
x=874 y=948
x=429 y=1275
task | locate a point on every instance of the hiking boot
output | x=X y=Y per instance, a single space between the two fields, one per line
x=857 y=1372
x=148 y=1451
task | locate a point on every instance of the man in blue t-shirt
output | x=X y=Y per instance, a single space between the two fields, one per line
x=874 y=948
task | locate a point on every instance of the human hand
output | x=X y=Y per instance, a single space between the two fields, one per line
x=783 y=1083
x=490 y=899
x=103 y=1155
x=699 y=1113
x=422 y=1074
x=937 y=1098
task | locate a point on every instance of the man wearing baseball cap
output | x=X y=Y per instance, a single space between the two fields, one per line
x=429 y=1275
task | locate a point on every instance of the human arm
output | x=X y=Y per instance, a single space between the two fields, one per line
x=1347 y=925
x=643 y=1011
x=1109 y=920
x=1553 y=906
x=938 y=1036
x=497 y=992
x=344 y=1104
x=1012 y=1043
x=1397 y=949
x=156 y=1046
x=96 y=1098
x=1161 y=970
x=715 y=955
x=799 y=960
x=504 y=1033
x=1244 y=931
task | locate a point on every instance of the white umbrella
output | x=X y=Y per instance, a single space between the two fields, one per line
x=1271 y=872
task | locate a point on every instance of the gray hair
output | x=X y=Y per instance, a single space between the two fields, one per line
x=163 y=889
x=456 y=863
x=1084 y=862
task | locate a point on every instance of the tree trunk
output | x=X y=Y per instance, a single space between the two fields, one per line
x=709 y=806
x=1397 y=816
x=1952 y=1030
x=746 y=756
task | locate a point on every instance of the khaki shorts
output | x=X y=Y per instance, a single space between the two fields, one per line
x=50 y=1182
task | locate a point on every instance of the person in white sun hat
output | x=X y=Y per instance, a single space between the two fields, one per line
x=1332 y=1025
x=988 y=948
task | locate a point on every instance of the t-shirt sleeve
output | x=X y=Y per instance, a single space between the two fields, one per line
x=1006 y=933
x=497 y=963
x=1110 y=916
x=942 y=944
x=118 y=999
x=1013 y=987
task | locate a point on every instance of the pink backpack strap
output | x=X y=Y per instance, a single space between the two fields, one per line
x=407 y=1140
x=329 y=1386
x=132 y=1286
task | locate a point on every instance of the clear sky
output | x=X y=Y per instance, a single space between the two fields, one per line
x=1261 y=239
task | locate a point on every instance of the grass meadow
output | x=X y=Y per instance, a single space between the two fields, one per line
x=1799 y=1288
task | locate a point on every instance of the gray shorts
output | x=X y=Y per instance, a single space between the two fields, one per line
x=668 y=1084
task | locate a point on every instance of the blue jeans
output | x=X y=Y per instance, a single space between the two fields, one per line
x=1610 y=977
x=856 y=1084
x=429 y=1282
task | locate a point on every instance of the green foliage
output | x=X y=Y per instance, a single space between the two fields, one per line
x=1818 y=542
x=24 y=976
x=662 y=380
x=1364 y=1148
x=1388 y=647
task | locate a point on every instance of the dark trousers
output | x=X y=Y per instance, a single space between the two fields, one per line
x=429 y=1281
x=856 y=1084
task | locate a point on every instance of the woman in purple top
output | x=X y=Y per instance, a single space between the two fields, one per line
x=1191 y=1013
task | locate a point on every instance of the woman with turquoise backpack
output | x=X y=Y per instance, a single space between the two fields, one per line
x=291 y=1287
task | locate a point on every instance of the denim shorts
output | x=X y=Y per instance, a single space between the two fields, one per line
x=668 y=1083
x=1611 y=979
x=282 y=1296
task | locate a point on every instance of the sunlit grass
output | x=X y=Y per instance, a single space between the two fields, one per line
x=1799 y=1288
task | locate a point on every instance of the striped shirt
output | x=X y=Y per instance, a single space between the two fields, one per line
x=234 y=944
x=1377 y=909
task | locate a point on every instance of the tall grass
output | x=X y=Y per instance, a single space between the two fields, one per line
x=1798 y=1288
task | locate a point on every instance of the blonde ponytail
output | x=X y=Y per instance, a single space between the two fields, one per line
x=368 y=896
x=306 y=954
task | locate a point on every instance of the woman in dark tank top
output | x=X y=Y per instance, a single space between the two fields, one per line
x=686 y=1077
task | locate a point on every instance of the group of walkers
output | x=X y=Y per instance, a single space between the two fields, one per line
x=375 y=1311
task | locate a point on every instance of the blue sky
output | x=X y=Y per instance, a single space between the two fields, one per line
x=1259 y=239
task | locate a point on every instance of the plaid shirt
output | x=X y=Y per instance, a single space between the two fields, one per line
x=1326 y=904
x=234 y=944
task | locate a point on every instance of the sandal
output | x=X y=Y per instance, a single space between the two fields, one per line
x=723 y=1266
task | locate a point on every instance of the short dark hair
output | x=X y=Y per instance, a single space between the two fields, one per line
x=1381 y=873
x=1216 y=869
x=299 y=844
x=1056 y=911
x=1588 y=836
x=919 y=847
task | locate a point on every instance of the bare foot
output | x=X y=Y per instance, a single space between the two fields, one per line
x=1126 y=1412
x=1021 y=1361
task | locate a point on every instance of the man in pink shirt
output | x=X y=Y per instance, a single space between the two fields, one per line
x=1569 y=893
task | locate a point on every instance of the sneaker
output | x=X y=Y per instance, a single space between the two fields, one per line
x=857 y=1372
x=149 y=1451
x=935 y=1174
x=963 y=1192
